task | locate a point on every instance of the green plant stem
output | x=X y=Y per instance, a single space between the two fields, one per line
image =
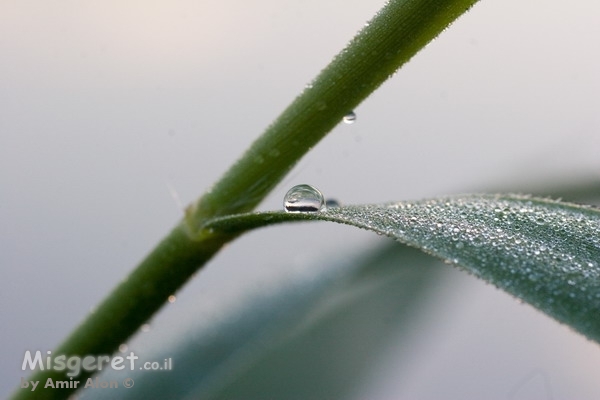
x=130 y=304
x=390 y=39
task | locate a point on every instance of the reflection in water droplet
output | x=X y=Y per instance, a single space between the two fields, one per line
x=145 y=328
x=350 y=118
x=123 y=348
x=303 y=198
x=172 y=299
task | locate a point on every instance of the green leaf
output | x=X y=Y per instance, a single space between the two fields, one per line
x=544 y=252
x=308 y=338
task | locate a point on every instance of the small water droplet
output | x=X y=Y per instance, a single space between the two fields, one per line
x=145 y=328
x=303 y=198
x=123 y=348
x=332 y=203
x=172 y=299
x=477 y=241
x=350 y=118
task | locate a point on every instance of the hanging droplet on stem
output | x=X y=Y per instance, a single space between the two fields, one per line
x=350 y=118
x=303 y=198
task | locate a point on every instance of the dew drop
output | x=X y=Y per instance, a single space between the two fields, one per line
x=477 y=241
x=123 y=348
x=172 y=298
x=350 y=118
x=332 y=203
x=303 y=198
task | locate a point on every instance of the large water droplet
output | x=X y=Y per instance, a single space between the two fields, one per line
x=303 y=198
x=350 y=118
x=172 y=298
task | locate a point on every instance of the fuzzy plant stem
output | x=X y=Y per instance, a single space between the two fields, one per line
x=389 y=40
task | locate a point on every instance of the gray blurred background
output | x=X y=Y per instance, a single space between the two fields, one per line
x=110 y=111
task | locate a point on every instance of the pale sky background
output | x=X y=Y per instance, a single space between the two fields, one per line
x=108 y=106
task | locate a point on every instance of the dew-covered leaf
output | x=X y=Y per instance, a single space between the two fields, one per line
x=544 y=252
